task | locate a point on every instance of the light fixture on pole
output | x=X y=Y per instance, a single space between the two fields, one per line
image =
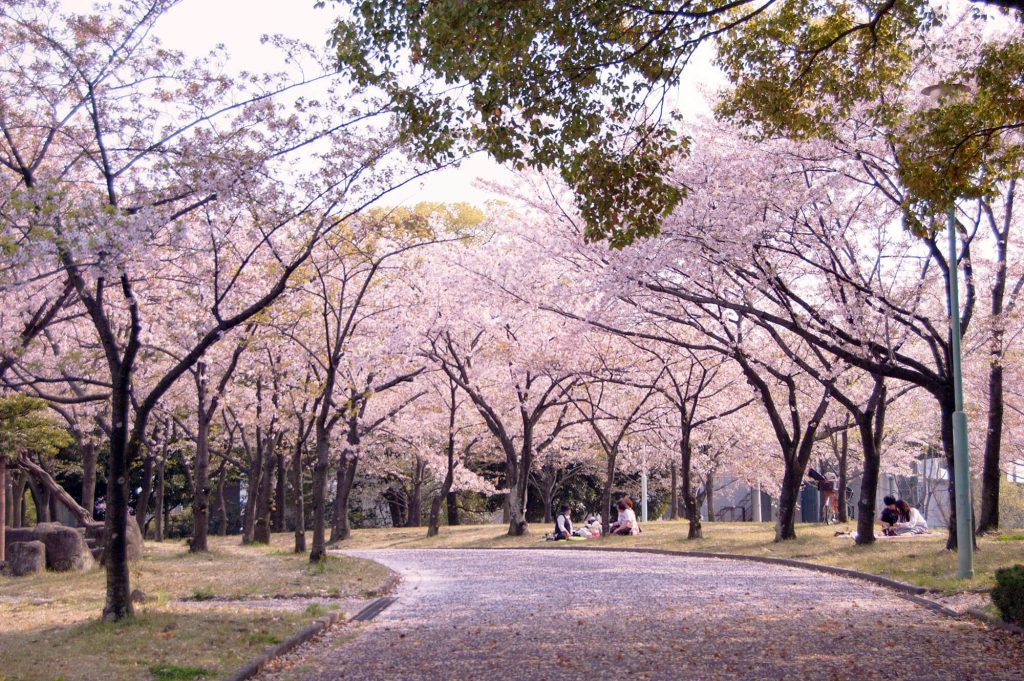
x=961 y=465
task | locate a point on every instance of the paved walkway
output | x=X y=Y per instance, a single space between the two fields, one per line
x=559 y=614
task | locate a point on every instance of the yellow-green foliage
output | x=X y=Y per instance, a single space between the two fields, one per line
x=25 y=428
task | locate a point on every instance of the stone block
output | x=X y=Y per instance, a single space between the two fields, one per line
x=65 y=547
x=26 y=558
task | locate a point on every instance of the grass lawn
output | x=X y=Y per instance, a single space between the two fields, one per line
x=207 y=635
x=921 y=560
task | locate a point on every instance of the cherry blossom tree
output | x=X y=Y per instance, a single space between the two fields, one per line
x=118 y=148
x=510 y=359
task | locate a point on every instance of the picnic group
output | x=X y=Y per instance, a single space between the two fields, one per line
x=900 y=518
x=625 y=523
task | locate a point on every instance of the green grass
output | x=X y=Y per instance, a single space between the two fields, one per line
x=170 y=637
x=170 y=672
x=203 y=593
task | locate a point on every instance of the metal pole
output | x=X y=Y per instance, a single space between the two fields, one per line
x=755 y=502
x=962 y=476
x=643 y=494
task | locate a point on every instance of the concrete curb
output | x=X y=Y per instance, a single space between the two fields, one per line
x=303 y=635
x=998 y=623
x=253 y=668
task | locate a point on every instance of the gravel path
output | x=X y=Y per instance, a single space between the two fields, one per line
x=558 y=614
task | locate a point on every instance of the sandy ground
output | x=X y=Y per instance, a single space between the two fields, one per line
x=557 y=614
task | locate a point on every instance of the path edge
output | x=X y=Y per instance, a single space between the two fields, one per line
x=303 y=635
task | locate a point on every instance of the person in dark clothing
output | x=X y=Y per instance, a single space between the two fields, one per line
x=563 y=523
x=890 y=515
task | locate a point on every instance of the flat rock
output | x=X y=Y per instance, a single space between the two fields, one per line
x=65 y=547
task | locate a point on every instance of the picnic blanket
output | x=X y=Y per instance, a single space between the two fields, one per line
x=886 y=537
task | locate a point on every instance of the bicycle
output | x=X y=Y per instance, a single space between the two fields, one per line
x=829 y=501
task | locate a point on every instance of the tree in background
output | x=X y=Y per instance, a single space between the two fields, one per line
x=25 y=430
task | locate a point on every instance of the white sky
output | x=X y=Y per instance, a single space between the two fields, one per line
x=197 y=26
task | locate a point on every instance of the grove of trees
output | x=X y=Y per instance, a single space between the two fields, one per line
x=206 y=287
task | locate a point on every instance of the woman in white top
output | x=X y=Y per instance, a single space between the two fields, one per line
x=910 y=520
x=626 y=523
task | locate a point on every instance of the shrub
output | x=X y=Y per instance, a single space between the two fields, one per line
x=1008 y=594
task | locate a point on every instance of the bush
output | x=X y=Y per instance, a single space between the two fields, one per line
x=1008 y=594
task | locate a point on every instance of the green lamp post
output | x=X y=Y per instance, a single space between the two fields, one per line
x=961 y=465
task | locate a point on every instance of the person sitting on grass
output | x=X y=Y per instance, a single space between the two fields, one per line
x=592 y=528
x=626 y=523
x=563 y=523
x=890 y=516
x=910 y=521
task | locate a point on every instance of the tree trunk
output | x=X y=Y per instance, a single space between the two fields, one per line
x=9 y=499
x=37 y=500
x=319 y=551
x=844 y=476
x=946 y=407
x=709 y=495
x=337 y=510
x=606 y=494
x=988 y=518
x=89 y=477
x=201 y=494
x=249 y=514
x=449 y=478
x=785 y=527
x=689 y=501
x=869 y=483
x=3 y=506
x=517 y=525
x=158 y=511
x=396 y=505
x=547 y=497
x=519 y=477
x=265 y=496
x=142 y=503
x=298 y=510
x=51 y=500
x=43 y=506
x=348 y=463
x=416 y=494
x=222 y=510
x=18 y=499
x=118 y=602
x=871 y=426
x=453 y=509
x=280 y=500
x=673 y=511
